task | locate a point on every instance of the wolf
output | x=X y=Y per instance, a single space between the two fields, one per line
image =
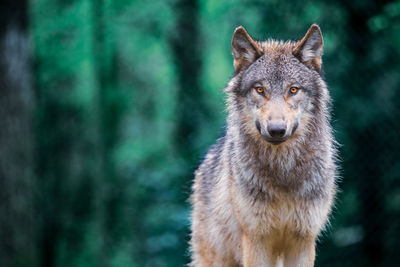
x=264 y=191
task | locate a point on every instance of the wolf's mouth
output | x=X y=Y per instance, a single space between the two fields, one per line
x=276 y=142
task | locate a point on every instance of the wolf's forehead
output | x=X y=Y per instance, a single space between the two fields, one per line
x=274 y=69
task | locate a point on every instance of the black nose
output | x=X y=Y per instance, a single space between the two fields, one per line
x=276 y=129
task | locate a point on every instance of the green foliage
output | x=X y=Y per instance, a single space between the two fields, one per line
x=115 y=152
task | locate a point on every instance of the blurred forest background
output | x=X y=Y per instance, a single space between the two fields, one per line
x=107 y=107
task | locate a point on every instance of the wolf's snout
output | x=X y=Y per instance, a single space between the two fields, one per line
x=277 y=130
x=273 y=132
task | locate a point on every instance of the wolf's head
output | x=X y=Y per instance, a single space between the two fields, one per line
x=277 y=85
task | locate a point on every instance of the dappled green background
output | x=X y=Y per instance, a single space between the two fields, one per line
x=124 y=98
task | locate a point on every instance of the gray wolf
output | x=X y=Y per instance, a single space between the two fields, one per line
x=264 y=191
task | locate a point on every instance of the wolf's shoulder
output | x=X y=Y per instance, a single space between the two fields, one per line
x=212 y=158
x=206 y=176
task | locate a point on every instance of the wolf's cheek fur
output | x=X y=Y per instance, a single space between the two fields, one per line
x=304 y=114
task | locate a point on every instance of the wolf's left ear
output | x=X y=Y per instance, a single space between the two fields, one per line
x=309 y=49
x=244 y=49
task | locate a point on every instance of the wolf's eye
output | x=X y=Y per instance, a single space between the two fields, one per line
x=259 y=90
x=293 y=90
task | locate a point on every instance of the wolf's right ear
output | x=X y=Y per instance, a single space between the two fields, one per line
x=244 y=49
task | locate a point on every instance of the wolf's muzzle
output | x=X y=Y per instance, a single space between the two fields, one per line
x=276 y=132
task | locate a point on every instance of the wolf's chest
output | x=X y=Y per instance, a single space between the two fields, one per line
x=284 y=214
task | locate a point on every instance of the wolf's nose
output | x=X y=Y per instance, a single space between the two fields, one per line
x=276 y=130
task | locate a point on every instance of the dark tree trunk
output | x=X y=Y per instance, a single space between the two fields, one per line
x=16 y=161
x=191 y=109
x=68 y=159
x=367 y=141
x=110 y=196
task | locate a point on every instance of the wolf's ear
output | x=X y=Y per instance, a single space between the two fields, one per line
x=309 y=49
x=244 y=49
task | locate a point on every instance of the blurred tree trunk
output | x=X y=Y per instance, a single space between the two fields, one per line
x=69 y=156
x=191 y=108
x=190 y=105
x=368 y=141
x=16 y=161
x=110 y=197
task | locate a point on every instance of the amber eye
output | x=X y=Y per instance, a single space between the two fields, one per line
x=260 y=90
x=293 y=90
